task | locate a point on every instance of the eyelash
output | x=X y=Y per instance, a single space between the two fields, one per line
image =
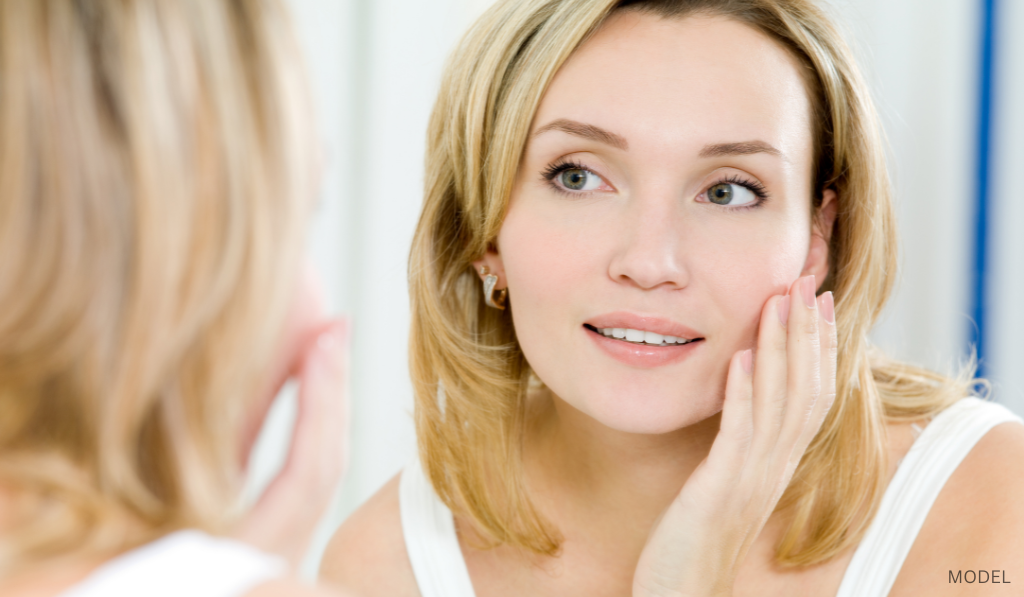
x=557 y=168
x=753 y=186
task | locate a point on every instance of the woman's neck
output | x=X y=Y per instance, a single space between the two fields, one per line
x=582 y=472
x=42 y=579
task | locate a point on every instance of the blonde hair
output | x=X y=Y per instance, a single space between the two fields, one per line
x=469 y=373
x=154 y=188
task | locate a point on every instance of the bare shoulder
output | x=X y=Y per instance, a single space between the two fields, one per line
x=367 y=554
x=976 y=524
x=293 y=588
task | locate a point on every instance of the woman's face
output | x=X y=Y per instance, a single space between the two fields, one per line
x=665 y=191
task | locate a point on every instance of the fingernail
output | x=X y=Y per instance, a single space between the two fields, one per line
x=828 y=308
x=747 y=360
x=327 y=340
x=783 y=307
x=333 y=337
x=807 y=290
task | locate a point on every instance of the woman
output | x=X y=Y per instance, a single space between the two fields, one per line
x=621 y=196
x=157 y=172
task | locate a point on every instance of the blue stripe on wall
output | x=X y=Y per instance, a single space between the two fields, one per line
x=986 y=96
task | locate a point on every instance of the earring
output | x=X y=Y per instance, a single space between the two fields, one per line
x=490 y=280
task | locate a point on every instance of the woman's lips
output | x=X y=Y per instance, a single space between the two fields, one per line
x=645 y=322
x=642 y=355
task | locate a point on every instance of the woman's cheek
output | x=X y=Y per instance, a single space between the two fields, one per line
x=542 y=266
x=757 y=266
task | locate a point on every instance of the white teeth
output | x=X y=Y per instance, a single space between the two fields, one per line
x=641 y=336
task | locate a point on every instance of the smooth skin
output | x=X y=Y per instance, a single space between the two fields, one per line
x=314 y=352
x=676 y=469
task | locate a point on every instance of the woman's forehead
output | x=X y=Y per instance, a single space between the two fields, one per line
x=684 y=83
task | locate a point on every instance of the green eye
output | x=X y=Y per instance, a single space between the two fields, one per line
x=732 y=194
x=574 y=178
x=720 y=194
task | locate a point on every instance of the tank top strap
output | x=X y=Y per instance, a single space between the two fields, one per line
x=922 y=473
x=430 y=538
x=188 y=563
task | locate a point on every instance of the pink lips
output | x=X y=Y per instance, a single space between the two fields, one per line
x=658 y=325
x=639 y=355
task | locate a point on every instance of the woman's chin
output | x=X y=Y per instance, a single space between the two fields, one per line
x=641 y=414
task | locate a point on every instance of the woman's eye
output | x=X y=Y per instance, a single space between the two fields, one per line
x=728 y=193
x=578 y=179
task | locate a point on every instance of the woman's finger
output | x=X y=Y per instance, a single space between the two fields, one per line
x=770 y=374
x=829 y=349
x=737 y=426
x=283 y=519
x=804 y=366
x=319 y=443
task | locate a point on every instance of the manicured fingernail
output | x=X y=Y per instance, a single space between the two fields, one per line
x=828 y=308
x=807 y=290
x=747 y=360
x=783 y=307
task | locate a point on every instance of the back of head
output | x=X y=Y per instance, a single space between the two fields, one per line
x=154 y=172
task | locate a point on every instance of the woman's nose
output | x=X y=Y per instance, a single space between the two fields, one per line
x=651 y=242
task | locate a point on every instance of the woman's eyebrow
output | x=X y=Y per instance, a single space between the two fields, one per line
x=587 y=131
x=596 y=133
x=743 y=148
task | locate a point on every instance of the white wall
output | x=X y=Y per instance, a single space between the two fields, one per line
x=376 y=66
x=1006 y=309
x=918 y=55
x=922 y=58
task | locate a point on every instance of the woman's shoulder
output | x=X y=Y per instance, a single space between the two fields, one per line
x=294 y=588
x=276 y=588
x=977 y=521
x=367 y=554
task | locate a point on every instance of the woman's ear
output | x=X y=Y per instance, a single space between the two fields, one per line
x=492 y=261
x=821 y=236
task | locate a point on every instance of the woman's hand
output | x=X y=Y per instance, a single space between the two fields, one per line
x=773 y=409
x=284 y=518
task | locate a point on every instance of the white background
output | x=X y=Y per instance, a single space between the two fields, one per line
x=375 y=67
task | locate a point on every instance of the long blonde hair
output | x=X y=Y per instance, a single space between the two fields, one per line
x=155 y=183
x=469 y=373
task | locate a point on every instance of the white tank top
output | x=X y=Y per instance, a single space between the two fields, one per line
x=185 y=563
x=440 y=568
